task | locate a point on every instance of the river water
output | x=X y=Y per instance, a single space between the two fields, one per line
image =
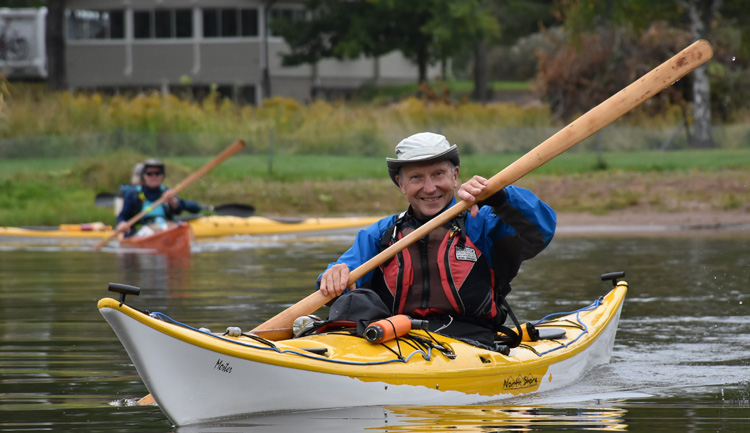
x=681 y=361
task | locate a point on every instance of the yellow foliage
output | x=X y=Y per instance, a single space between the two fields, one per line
x=320 y=125
x=289 y=104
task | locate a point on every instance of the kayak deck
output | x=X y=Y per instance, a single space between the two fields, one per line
x=214 y=226
x=75 y=231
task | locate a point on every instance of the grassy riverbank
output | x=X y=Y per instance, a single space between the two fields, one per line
x=59 y=150
x=51 y=191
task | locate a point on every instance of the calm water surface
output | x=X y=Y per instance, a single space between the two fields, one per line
x=681 y=361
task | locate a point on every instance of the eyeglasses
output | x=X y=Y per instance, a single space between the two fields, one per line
x=153 y=173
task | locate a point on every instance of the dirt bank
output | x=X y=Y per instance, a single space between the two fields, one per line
x=631 y=222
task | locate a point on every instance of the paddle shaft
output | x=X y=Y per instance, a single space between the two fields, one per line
x=594 y=120
x=229 y=151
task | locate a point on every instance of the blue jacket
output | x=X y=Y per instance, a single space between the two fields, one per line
x=517 y=220
x=132 y=204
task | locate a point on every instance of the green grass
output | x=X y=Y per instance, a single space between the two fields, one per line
x=510 y=85
x=458 y=87
x=295 y=167
x=466 y=86
x=51 y=191
x=310 y=167
x=10 y=167
x=642 y=161
x=335 y=167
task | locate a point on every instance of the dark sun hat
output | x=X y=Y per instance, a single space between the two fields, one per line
x=422 y=147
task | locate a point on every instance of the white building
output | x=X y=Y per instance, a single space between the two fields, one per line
x=174 y=44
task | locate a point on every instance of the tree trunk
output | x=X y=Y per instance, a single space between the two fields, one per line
x=421 y=59
x=480 y=73
x=55 y=42
x=422 y=70
x=265 y=78
x=702 y=135
x=701 y=13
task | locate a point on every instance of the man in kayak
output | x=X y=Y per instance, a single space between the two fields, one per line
x=457 y=276
x=142 y=196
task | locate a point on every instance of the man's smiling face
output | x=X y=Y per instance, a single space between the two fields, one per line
x=428 y=186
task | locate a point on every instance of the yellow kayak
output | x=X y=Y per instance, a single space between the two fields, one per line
x=207 y=226
x=96 y=230
x=212 y=226
x=195 y=375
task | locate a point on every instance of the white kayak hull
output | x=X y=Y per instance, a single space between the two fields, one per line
x=194 y=380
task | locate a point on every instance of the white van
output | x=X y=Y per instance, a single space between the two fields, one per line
x=22 y=45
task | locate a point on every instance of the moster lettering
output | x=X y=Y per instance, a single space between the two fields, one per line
x=520 y=382
x=221 y=366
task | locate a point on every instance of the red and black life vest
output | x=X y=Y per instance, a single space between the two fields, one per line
x=444 y=273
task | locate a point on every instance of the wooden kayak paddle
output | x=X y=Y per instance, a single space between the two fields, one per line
x=592 y=121
x=229 y=151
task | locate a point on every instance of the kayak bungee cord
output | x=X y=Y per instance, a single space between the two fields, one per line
x=163 y=317
x=586 y=308
x=582 y=326
x=424 y=348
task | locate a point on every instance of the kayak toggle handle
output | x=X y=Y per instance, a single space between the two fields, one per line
x=123 y=289
x=613 y=276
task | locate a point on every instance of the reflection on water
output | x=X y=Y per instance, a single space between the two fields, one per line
x=480 y=418
x=514 y=418
x=159 y=272
x=680 y=354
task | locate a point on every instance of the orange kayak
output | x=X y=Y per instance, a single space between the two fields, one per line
x=174 y=240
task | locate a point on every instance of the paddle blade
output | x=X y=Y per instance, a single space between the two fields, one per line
x=104 y=199
x=147 y=400
x=235 y=210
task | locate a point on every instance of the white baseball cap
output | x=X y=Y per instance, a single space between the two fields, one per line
x=421 y=147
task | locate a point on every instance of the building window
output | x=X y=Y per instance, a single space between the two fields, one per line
x=142 y=27
x=162 y=24
x=229 y=25
x=95 y=24
x=249 y=22
x=210 y=23
x=183 y=23
x=230 y=22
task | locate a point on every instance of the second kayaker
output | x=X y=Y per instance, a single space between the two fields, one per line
x=142 y=196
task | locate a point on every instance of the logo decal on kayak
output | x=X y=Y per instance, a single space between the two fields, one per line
x=521 y=382
x=222 y=366
x=466 y=254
